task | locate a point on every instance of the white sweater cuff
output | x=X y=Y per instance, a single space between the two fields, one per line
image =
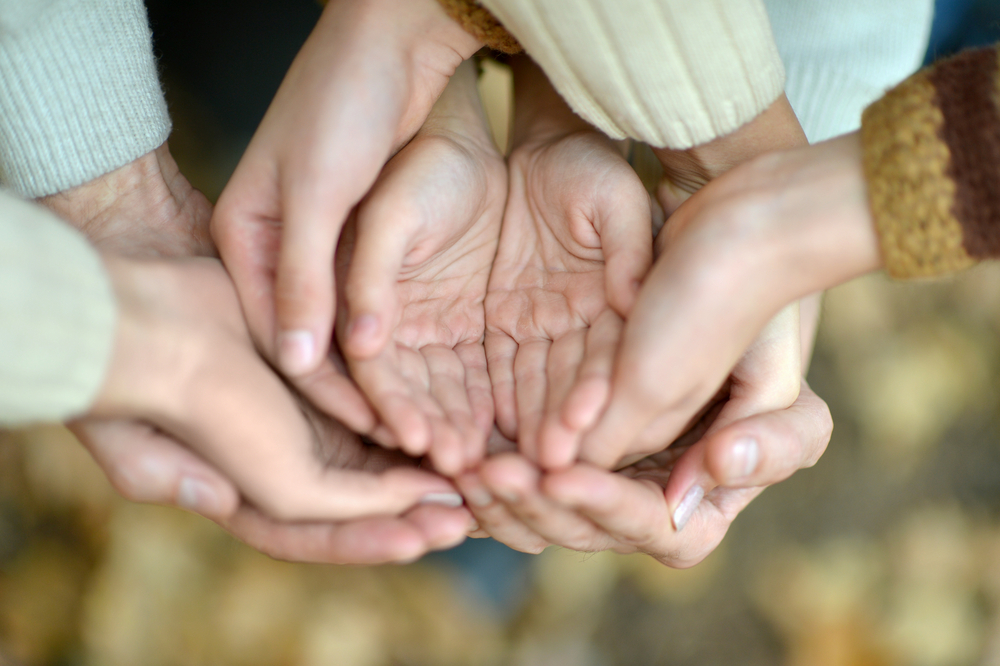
x=79 y=92
x=58 y=312
x=674 y=73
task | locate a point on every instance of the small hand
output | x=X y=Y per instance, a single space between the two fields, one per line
x=575 y=243
x=358 y=90
x=416 y=261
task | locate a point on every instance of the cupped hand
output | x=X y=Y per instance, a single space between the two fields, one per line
x=575 y=243
x=360 y=87
x=415 y=263
x=656 y=387
x=148 y=209
x=588 y=508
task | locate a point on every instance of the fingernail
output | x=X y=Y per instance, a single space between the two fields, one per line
x=687 y=507
x=197 y=496
x=444 y=499
x=743 y=459
x=363 y=328
x=296 y=352
x=155 y=473
x=473 y=526
x=479 y=496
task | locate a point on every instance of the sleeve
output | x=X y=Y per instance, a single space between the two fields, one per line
x=670 y=73
x=841 y=56
x=79 y=92
x=931 y=150
x=57 y=317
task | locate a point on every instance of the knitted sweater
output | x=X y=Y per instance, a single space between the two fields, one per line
x=79 y=98
x=932 y=162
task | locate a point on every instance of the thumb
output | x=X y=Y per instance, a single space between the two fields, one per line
x=625 y=228
x=371 y=297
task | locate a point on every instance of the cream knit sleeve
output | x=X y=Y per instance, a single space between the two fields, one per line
x=79 y=92
x=57 y=316
x=674 y=73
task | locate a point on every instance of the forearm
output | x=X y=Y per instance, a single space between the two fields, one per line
x=79 y=92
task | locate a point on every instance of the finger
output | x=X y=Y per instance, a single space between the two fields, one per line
x=375 y=540
x=448 y=389
x=304 y=281
x=145 y=465
x=441 y=527
x=500 y=353
x=332 y=393
x=515 y=481
x=625 y=228
x=495 y=519
x=477 y=383
x=532 y=387
x=391 y=394
x=559 y=440
x=758 y=451
x=371 y=287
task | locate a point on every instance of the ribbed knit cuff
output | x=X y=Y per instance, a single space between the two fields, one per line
x=79 y=92
x=58 y=312
x=670 y=73
x=932 y=162
x=481 y=24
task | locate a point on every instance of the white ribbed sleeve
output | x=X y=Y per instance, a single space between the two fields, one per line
x=57 y=316
x=674 y=73
x=842 y=56
x=79 y=92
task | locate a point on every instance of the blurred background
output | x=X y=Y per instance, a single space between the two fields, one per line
x=885 y=553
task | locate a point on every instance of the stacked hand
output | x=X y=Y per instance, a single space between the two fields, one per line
x=418 y=290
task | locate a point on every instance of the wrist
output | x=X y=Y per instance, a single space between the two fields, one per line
x=458 y=112
x=140 y=375
x=540 y=113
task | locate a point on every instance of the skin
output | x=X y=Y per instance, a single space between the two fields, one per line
x=359 y=89
x=576 y=241
x=418 y=255
x=174 y=440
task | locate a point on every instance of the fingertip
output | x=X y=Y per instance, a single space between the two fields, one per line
x=297 y=352
x=365 y=336
x=213 y=500
x=557 y=445
x=584 y=404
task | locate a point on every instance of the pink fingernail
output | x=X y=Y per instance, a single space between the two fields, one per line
x=363 y=328
x=687 y=507
x=296 y=352
x=197 y=496
x=744 y=457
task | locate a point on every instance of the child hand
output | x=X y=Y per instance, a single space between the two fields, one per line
x=415 y=266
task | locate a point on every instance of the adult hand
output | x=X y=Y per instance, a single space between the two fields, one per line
x=358 y=90
x=588 y=508
x=148 y=209
x=416 y=260
x=657 y=390
x=575 y=243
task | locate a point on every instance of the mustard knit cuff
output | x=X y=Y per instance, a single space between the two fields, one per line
x=932 y=162
x=481 y=24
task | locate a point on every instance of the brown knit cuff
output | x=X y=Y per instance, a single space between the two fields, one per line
x=932 y=162
x=481 y=24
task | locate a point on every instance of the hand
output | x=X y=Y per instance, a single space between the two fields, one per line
x=361 y=86
x=638 y=419
x=576 y=240
x=416 y=262
x=148 y=208
x=590 y=509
